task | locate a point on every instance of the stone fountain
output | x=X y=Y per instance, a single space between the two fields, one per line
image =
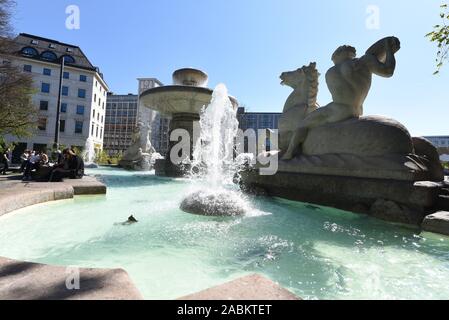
x=335 y=156
x=182 y=103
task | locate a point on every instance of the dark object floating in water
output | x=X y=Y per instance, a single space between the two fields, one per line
x=131 y=220
x=217 y=204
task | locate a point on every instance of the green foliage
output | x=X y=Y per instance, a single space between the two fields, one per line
x=4 y=146
x=17 y=113
x=440 y=35
x=104 y=159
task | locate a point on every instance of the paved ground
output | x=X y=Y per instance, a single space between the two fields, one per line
x=31 y=281
x=15 y=194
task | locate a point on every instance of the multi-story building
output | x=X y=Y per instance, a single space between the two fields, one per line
x=439 y=141
x=257 y=120
x=120 y=122
x=84 y=92
x=123 y=113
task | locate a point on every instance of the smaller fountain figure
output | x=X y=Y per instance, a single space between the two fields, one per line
x=89 y=155
x=141 y=155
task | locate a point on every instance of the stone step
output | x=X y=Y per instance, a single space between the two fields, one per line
x=437 y=223
x=252 y=287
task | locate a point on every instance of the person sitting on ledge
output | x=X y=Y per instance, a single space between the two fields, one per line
x=72 y=167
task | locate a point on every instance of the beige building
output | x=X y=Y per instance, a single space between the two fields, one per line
x=84 y=93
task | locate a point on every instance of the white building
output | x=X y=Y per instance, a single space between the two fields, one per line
x=84 y=93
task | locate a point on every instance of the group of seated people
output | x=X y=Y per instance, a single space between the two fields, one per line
x=36 y=166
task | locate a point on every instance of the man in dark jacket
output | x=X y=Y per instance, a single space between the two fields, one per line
x=72 y=167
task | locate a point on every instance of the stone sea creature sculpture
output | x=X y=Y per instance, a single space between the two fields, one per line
x=300 y=103
x=349 y=82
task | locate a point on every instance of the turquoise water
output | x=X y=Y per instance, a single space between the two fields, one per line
x=318 y=253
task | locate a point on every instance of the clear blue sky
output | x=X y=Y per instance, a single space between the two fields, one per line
x=246 y=44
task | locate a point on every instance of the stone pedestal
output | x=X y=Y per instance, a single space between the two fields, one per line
x=170 y=167
x=405 y=202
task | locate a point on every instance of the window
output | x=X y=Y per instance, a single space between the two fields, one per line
x=47 y=72
x=42 y=124
x=69 y=59
x=78 y=127
x=43 y=105
x=101 y=133
x=66 y=75
x=80 y=110
x=95 y=97
x=49 y=56
x=82 y=93
x=61 y=125
x=92 y=131
x=65 y=91
x=29 y=52
x=45 y=88
x=83 y=78
x=97 y=132
x=63 y=107
x=27 y=68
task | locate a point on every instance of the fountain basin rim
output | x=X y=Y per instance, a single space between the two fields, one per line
x=201 y=73
x=165 y=90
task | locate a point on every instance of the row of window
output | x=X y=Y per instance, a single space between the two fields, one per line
x=43 y=106
x=98 y=116
x=46 y=55
x=45 y=88
x=42 y=125
x=48 y=72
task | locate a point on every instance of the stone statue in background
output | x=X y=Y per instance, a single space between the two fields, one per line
x=140 y=156
x=349 y=82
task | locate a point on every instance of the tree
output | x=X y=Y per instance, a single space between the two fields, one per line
x=440 y=35
x=17 y=114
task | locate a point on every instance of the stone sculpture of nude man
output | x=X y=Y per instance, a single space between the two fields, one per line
x=349 y=82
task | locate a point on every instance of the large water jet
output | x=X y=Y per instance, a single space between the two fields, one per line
x=213 y=161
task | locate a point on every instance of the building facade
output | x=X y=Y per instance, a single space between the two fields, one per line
x=84 y=92
x=258 y=120
x=439 y=141
x=123 y=112
x=120 y=122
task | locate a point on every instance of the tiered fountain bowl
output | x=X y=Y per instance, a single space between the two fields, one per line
x=182 y=103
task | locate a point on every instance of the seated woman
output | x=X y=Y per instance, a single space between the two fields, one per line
x=72 y=167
